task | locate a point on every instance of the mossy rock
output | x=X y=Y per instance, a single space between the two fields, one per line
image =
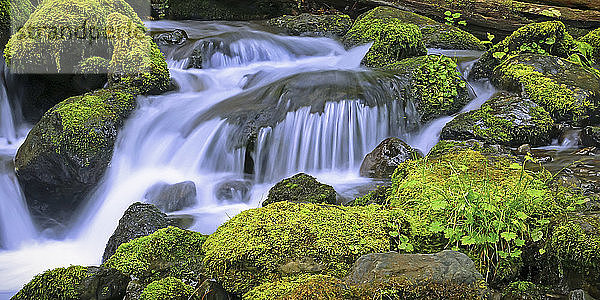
x=301 y=188
x=169 y=288
x=59 y=34
x=539 y=38
x=167 y=252
x=304 y=287
x=376 y=196
x=392 y=40
x=287 y=239
x=524 y=290
x=435 y=34
x=444 y=147
x=93 y=65
x=383 y=160
x=590 y=136
x=13 y=14
x=593 y=39
x=505 y=119
x=332 y=26
x=436 y=87
x=438 y=197
x=74 y=283
x=239 y=10
x=576 y=244
x=566 y=90
x=74 y=143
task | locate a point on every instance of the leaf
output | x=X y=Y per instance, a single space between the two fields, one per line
x=537 y=235
x=521 y=215
x=502 y=254
x=499 y=55
x=439 y=205
x=519 y=242
x=543 y=221
x=462 y=23
x=536 y=193
x=515 y=166
x=448 y=13
x=394 y=233
x=490 y=37
x=467 y=240
x=516 y=253
x=550 y=41
x=542 y=251
x=508 y=235
x=436 y=227
x=456 y=15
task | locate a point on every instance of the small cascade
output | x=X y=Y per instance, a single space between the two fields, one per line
x=16 y=226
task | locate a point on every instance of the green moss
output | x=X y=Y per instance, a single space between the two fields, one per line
x=576 y=243
x=446 y=146
x=301 y=188
x=488 y=208
x=238 y=10
x=59 y=283
x=313 y=25
x=435 y=34
x=285 y=238
x=556 y=98
x=317 y=287
x=93 y=65
x=60 y=33
x=167 y=252
x=401 y=288
x=392 y=40
x=593 y=39
x=524 y=290
x=169 y=288
x=377 y=196
x=541 y=38
x=438 y=86
x=13 y=14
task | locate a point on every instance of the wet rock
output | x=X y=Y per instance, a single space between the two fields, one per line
x=590 y=136
x=448 y=267
x=313 y=25
x=579 y=295
x=175 y=37
x=301 y=188
x=524 y=149
x=172 y=197
x=386 y=157
x=229 y=10
x=212 y=290
x=505 y=119
x=181 y=221
x=139 y=220
x=106 y=284
x=235 y=190
x=134 y=290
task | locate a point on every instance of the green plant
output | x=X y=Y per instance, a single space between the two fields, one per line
x=452 y=18
x=490 y=39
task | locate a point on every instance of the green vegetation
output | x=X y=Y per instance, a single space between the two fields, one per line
x=593 y=39
x=13 y=14
x=524 y=290
x=284 y=239
x=490 y=208
x=301 y=188
x=93 y=65
x=438 y=86
x=168 y=288
x=304 y=287
x=167 y=252
x=59 y=283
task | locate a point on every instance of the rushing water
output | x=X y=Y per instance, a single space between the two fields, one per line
x=323 y=126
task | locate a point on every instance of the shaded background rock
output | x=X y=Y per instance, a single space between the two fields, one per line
x=332 y=26
x=172 y=197
x=384 y=159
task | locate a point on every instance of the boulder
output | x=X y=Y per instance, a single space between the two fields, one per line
x=386 y=157
x=212 y=290
x=301 y=188
x=101 y=283
x=392 y=40
x=229 y=9
x=167 y=288
x=138 y=220
x=435 y=34
x=448 y=146
x=505 y=119
x=171 y=38
x=446 y=267
x=172 y=197
x=331 y=26
x=566 y=90
x=235 y=190
x=590 y=136
x=288 y=239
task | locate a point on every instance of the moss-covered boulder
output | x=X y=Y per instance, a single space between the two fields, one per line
x=13 y=14
x=448 y=146
x=287 y=239
x=566 y=90
x=524 y=290
x=74 y=283
x=167 y=252
x=229 y=9
x=450 y=201
x=593 y=39
x=301 y=188
x=576 y=245
x=505 y=119
x=169 y=288
x=304 y=287
x=538 y=38
x=590 y=136
x=383 y=160
x=392 y=40
x=435 y=87
x=332 y=26
x=435 y=34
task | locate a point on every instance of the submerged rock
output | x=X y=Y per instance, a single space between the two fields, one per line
x=235 y=190
x=172 y=197
x=301 y=188
x=175 y=37
x=386 y=157
x=505 y=119
x=446 y=267
x=332 y=26
x=566 y=90
x=138 y=220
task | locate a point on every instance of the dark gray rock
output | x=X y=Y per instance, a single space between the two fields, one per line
x=134 y=290
x=212 y=290
x=139 y=220
x=235 y=190
x=313 y=25
x=444 y=267
x=386 y=157
x=590 y=136
x=175 y=37
x=172 y=197
x=103 y=284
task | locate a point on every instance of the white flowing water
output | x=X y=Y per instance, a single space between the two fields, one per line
x=168 y=140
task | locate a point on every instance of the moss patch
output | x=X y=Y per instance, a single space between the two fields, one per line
x=593 y=39
x=167 y=252
x=169 y=288
x=59 y=283
x=282 y=239
x=301 y=188
x=304 y=287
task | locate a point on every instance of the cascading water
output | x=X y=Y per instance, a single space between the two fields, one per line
x=264 y=104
